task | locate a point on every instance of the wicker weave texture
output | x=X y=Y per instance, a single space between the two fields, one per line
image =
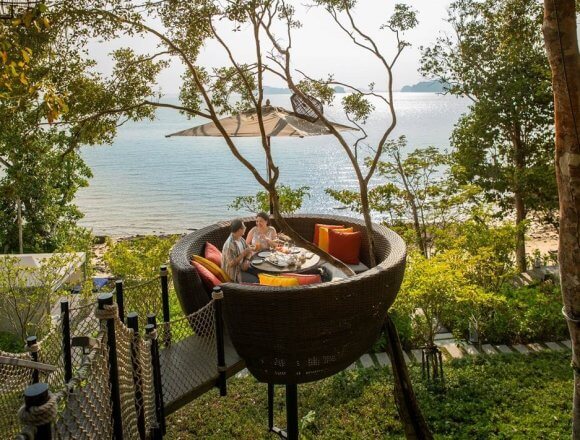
x=300 y=334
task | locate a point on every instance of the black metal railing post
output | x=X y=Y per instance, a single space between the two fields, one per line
x=66 y=340
x=39 y=411
x=133 y=324
x=119 y=297
x=104 y=300
x=164 y=275
x=218 y=296
x=150 y=331
x=32 y=347
x=292 y=411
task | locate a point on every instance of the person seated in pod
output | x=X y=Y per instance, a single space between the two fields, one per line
x=236 y=255
x=262 y=236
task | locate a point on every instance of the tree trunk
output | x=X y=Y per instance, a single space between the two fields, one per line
x=20 y=234
x=521 y=234
x=364 y=199
x=562 y=48
x=413 y=421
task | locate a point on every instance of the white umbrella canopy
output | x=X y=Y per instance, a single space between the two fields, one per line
x=277 y=122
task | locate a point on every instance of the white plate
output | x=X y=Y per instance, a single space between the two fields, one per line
x=257 y=261
x=264 y=254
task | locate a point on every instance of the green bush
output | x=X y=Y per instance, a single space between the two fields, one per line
x=11 y=343
x=139 y=258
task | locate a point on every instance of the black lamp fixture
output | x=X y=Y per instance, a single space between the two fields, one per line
x=12 y=8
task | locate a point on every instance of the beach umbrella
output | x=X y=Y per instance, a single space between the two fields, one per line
x=277 y=122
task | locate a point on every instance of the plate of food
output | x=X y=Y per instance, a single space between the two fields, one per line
x=264 y=254
x=257 y=261
x=295 y=250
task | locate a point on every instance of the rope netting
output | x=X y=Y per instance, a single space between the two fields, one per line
x=14 y=379
x=144 y=298
x=85 y=404
x=189 y=359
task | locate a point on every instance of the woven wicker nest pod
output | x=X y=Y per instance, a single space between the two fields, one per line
x=292 y=335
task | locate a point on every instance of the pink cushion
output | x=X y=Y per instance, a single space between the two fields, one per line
x=304 y=279
x=208 y=279
x=213 y=254
x=345 y=246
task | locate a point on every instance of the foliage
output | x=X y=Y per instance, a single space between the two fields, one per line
x=508 y=396
x=139 y=258
x=504 y=143
x=11 y=343
x=418 y=190
x=290 y=200
x=28 y=293
x=487 y=247
x=41 y=168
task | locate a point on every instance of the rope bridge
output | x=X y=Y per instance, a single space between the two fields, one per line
x=100 y=373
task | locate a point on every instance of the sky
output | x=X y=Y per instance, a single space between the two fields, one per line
x=319 y=47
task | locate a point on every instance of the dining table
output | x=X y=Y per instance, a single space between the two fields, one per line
x=286 y=260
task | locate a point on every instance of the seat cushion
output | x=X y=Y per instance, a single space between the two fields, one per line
x=317 y=227
x=278 y=281
x=213 y=268
x=345 y=246
x=213 y=254
x=304 y=279
x=208 y=279
x=324 y=238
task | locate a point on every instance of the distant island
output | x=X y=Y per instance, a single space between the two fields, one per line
x=425 y=87
x=284 y=91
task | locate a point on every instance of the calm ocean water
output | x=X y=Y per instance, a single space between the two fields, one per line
x=146 y=183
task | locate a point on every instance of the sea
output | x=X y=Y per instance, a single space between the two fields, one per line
x=146 y=183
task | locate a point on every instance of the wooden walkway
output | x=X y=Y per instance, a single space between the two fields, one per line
x=187 y=371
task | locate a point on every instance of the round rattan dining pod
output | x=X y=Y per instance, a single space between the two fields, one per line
x=291 y=335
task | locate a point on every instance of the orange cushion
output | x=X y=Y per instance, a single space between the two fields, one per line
x=345 y=246
x=213 y=254
x=304 y=279
x=208 y=279
x=317 y=227
x=277 y=281
x=213 y=268
x=323 y=238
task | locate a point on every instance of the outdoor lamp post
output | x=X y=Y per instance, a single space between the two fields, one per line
x=12 y=8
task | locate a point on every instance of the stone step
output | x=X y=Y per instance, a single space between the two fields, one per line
x=554 y=346
x=406 y=356
x=351 y=366
x=383 y=359
x=488 y=349
x=441 y=336
x=417 y=355
x=243 y=373
x=470 y=349
x=567 y=343
x=534 y=346
x=521 y=348
x=366 y=361
x=453 y=350
x=503 y=349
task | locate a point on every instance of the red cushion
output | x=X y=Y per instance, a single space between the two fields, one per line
x=345 y=246
x=208 y=279
x=304 y=279
x=213 y=254
x=317 y=227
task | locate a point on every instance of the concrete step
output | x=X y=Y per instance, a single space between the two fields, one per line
x=554 y=346
x=488 y=349
x=567 y=343
x=243 y=373
x=521 y=348
x=440 y=336
x=503 y=349
x=417 y=355
x=366 y=361
x=383 y=359
x=470 y=349
x=534 y=346
x=407 y=358
x=453 y=350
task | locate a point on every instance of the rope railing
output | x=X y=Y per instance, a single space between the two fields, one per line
x=105 y=377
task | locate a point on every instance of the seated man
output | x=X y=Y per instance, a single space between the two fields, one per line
x=236 y=255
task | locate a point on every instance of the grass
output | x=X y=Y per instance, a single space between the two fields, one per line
x=499 y=397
